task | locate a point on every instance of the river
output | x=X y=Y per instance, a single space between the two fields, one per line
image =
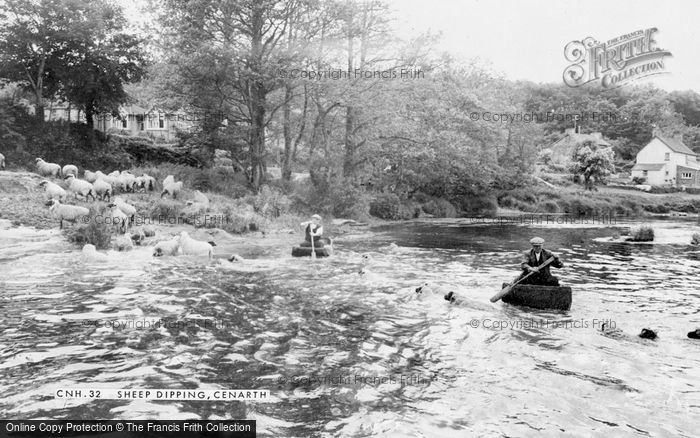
x=346 y=354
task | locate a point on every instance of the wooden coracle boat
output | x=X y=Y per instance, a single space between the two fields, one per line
x=305 y=251
x=539 y=297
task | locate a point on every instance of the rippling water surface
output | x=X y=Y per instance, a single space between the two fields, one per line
x=346 y=354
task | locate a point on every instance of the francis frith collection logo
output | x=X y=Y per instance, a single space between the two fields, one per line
x=615 y=62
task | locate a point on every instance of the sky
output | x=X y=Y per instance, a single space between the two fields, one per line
x=525 y=39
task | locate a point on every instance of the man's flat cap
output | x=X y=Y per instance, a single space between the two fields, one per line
x=537 y=241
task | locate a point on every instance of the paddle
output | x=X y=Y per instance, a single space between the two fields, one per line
x=506 y=290
x=313 y=249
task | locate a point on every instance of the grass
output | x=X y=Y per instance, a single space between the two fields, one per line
x=642 y=234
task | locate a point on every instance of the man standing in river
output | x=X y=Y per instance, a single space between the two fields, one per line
x=534 y=258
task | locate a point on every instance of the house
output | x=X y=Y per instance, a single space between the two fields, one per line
x=667 y=161
x=132 y=120
x=563 y=149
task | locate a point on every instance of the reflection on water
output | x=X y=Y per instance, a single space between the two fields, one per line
x=362 y=355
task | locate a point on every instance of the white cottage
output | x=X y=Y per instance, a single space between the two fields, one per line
x=667 y=161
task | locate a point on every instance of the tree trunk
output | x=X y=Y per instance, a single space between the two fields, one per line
x=89 y=113
x=258 y=96
x=287 y=161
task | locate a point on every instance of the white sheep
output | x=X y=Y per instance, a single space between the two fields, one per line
x=65 y=212
x=2 y=161
x=103 y=189
x=46 y=169
x=53 y=191
x=80 y=187
x=149 y=182
x=128 y=209
x=100 y=175
x=172 y=189
x=90 y=177
x=166 y=248
x=70 y=169
x=117 y=217
x=127 y=181
x=169 y=180
x=123 y=243
x=191 y=246
x=89 y=253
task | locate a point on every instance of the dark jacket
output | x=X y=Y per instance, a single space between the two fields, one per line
x=308 y=233
x=529 y=259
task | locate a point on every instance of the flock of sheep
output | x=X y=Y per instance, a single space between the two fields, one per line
x=120 y=214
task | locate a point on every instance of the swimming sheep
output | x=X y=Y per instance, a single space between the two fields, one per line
x=128 y=209
x=65 y=212
x=117 y=217
x=166 y=248
x=2 y=161
x=46 y=169
x=54 y=191
x=103 y=189
x=70 y=169
x=171 y=188
x=191 y=246
x=80 y=187
x=123 y=243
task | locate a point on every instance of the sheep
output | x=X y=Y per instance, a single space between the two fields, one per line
x=191 y=246
x=103 y=189
x=2 y=161
x=70 y=169
x=105 y=177
x=89 y=253
x=127 y=181
x=65 y=212
x=172 y=189
x=149 y=182
x=46 y=169
x=166 y=248
x=128 y=209
x=80 y=187
x=90 y=177
x=168 y=180
x=138 y=236
x=117 y=217
x=54 y=191
x=123 y=243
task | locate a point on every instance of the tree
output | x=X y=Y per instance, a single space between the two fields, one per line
x=71 y=49
x=594 y=163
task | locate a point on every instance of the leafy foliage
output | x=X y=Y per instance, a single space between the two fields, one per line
x=594 y=163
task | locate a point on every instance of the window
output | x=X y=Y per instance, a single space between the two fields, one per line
x=667 y=156
x=161 y=120
x=646 y=173
x=686 y=175
x=124 y=123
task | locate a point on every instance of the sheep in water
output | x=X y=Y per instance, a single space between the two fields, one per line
x=117 y=217
x=128 y=209
x=2 y=161
x=171 y=187
x=166 y=248
x=103 y=189
x=70 y=169
x=65 y=212
x=89 y=253
x=46 y=169
x=191 y=246
x=53 y=191
x=80 y=187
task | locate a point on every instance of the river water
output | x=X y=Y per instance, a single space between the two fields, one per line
x=350 y=354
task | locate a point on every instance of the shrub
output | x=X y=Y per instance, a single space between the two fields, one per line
x=385 y=206
x=409 y=210
x=642 y=234
x=639 y=180
x=549 y=207
x=485 y=205
x=545 y=156
x=95 y=232
x=270 y=202
x=165 y=209
x=440 y=207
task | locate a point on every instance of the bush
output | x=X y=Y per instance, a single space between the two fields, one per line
x=545 y=156
x=166 y=209
x=642 y=234
x=485 y=205
x=549 y=207
x=409 y=210
x=385 y=206
x=639 y=180
x=270 y=202
x=95 y=232
x=440 y=207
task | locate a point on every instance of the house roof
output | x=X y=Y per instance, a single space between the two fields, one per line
x=648 y=166
x=691 y=165
x=574 y=137
x=676 y=145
